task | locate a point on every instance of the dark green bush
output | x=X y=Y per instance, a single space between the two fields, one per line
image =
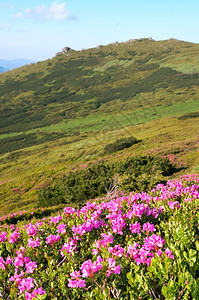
x=120 y=144
x=132 y=174
x=189 y=115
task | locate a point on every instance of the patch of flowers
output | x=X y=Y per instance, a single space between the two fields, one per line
x=139 y=246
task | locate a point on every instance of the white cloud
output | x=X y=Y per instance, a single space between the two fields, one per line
x=18 y=15
x=27 y=10
x=56 y=11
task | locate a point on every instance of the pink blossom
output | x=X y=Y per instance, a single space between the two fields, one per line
x=187 y=199
x=69 y=210
x=26 y=284
x=69 y=247
x=116 y=251
x=31 y=229
x=18 y=262
x=2 y=263
x=107 y=239
x=133 y=250
x=148 y=227
x=172 y=205
x=88 y=268
x=26 y=259
x=29 y=296
x=56 y=219
x=118 y=223
x=33 y=243
x=168 y=252
x=159 y=252
x=30 y=266
x=14 y=237
x=51 y=239
x=17 y=277
x=8 y=260
x=76 y=282
x=61 y=228
x=3 y=237
x=135 y=227
x=39 y=291
x=153 y=242
x=112 y=268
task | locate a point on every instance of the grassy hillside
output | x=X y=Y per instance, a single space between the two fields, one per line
x=59 y=114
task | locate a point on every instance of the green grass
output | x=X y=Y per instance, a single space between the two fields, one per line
x=98 y=122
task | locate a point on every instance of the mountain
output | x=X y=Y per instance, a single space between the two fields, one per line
x=15 y=63
x=99 y=80
x=59 y=114
x=3 y=70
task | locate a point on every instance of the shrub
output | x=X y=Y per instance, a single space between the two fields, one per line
x=133 y=174
x=120 y=144
x=189 y=115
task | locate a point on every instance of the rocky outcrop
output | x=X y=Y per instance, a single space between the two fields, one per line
x=65 y=50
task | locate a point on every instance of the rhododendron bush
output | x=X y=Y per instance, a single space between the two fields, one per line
x=139 y=246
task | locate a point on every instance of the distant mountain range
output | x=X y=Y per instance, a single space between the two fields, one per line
x=3 y=70
x=6 y=65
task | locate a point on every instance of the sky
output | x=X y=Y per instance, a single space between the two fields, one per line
x=38 y=29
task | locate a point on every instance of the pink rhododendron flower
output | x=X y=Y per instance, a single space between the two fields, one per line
x=172 y=205
x=116 y=251
x=88 y=268
x=2 y=263
x=39 y=291
x=76 y=282
x=133 y=250
x=51 y=239
x=69 y=210
x=8 y=260
x=148 y=227
x=117 y=223
x=112 y=268
x=33 y=243
x=56 y=219
x=135 y=227
x=3 y=237
x=30 y=266
x=61 y=228
x=153 y=242
x=14 y=237
x=31 y=229
x=26 y=284
x=169 y=253
x=69 y=247
x=18 y=262
x=107 y=239
x=17 y=277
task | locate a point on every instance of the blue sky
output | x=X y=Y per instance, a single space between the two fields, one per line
x=38 y=29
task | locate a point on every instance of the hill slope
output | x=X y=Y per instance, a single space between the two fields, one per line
x=100 y=80
x=58 y=114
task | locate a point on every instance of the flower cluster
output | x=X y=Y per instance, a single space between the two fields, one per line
x=94 y=246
